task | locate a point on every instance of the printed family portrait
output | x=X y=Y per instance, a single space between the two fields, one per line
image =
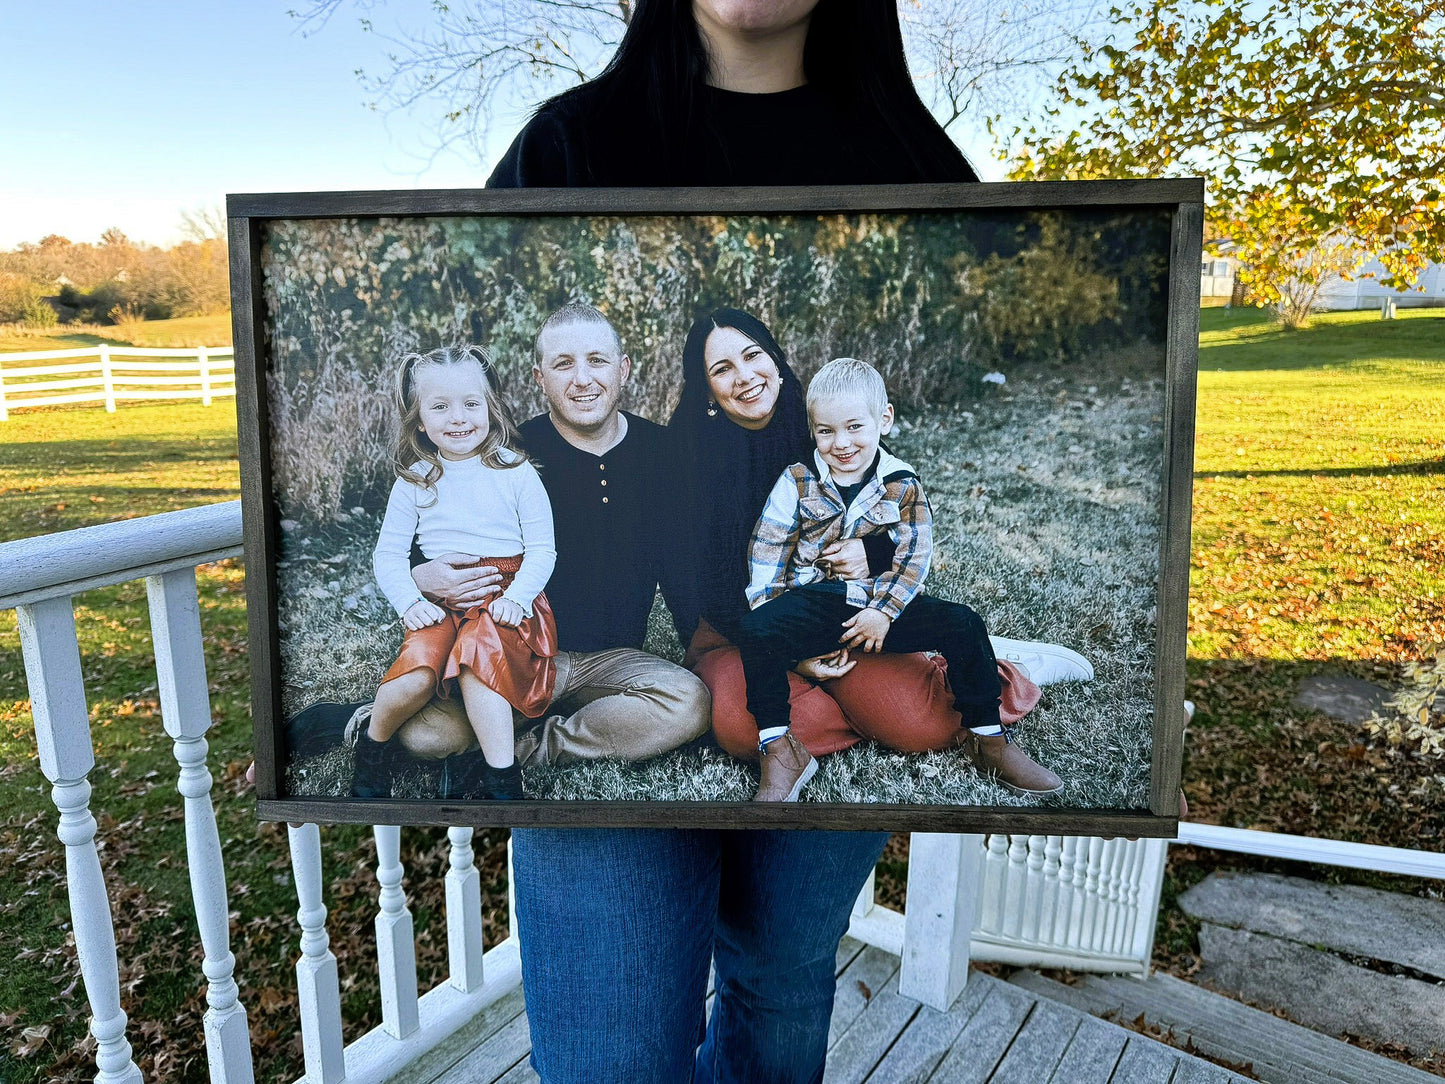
x=736 y=516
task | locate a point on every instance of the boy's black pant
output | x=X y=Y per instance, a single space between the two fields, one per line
x=808 y=621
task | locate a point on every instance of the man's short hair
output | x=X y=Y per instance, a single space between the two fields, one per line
x=848 y=376
x=577 y=312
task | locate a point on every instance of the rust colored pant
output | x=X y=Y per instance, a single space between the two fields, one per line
x=901 y=701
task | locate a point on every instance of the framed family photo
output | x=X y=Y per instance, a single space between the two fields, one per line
x=846 y=507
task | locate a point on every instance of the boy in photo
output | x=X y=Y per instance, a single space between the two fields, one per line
x=852 y=488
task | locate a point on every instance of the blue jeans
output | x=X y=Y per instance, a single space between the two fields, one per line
x=618 y=927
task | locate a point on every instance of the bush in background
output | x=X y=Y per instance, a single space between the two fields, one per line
x=91 y=281
x=931 y=300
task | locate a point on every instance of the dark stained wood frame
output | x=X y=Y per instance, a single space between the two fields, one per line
x=248 y=214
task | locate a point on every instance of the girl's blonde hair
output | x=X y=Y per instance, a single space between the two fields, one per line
x=413 y=445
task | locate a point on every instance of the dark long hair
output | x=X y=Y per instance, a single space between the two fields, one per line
x=727 y=472
x=853 y=55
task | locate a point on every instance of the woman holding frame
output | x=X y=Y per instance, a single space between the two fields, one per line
x=618 y=926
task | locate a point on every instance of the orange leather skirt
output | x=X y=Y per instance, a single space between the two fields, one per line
x=515 y=663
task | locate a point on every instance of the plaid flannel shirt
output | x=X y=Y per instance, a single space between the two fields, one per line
x=805 y=513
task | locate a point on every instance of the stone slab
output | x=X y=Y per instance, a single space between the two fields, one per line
x=1385 y=926
x=1342 y=697
x=1321 y=991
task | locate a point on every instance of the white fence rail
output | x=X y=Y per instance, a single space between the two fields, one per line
x=41 y=378
x=1088 y=904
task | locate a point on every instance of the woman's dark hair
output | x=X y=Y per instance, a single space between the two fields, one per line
x=727 y=472
x=853 y=55
x=691 y=405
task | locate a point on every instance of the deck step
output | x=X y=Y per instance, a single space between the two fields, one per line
x=1275 y=1050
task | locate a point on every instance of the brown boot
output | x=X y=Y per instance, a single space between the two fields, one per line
x=787 y=767
x=1013 y=768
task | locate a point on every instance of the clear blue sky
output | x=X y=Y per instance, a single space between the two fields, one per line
x=125 y=114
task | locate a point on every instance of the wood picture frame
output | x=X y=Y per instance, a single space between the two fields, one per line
x=1126 y=251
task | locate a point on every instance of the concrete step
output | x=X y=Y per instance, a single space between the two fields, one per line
x=1322 y=991
x=1365 y=922
x=1275 y=1050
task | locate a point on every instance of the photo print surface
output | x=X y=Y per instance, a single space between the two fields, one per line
x=1005 y=444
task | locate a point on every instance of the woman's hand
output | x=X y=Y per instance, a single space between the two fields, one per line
x=422 y=613
x=866 y=629
x=457 y=580
x=506 y=612
x=826 y=667
x=845 y=559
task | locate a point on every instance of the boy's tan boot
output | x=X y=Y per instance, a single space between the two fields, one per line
x=1013 y=768
x=787 y=767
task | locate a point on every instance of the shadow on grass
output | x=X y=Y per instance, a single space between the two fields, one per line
x=121 y=452
x=1388 y=470
x=1258 y=343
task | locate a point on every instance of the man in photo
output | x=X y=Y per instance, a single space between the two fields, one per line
x=599 y=465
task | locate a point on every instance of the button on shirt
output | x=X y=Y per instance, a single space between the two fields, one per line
x=608 y=548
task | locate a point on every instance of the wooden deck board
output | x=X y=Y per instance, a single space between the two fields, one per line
x=927 y=1039
x=1195 y=1071
x=987 y=1036
x=496 y=1055
x=870 y=1036
x=1038 y=1046
x=865 y=977
x=1091 y=1055
x=996 y=1033
x=1145 y=1062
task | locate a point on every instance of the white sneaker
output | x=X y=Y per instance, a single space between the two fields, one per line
x=1043 y=664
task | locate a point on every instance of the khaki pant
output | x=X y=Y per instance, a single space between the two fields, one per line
x=622 y=703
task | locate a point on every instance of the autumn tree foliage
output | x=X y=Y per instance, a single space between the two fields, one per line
x=97 y=283
x=1319 y=125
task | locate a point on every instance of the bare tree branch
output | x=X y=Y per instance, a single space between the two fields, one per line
x=476 y=60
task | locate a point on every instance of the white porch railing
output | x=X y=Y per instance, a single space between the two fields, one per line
x=112 y=378
x=1087 y=904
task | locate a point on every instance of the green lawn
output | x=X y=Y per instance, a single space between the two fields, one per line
x=74 y=467
x=67 y=468
x=1319 y=539
x=1318 y=522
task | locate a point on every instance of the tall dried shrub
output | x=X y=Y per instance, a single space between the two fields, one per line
x=928 y=299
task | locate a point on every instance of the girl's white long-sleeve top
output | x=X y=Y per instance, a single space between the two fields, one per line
x=472 y=509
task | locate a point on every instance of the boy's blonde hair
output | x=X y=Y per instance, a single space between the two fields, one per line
x=412 y=443
x=848 y=376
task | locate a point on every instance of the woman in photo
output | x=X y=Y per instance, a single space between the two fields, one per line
x=740 y=422
x=618 y=926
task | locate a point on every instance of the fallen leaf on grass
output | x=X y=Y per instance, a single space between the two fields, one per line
x=31 y=1040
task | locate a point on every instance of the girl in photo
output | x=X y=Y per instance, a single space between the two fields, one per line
x=463 y=487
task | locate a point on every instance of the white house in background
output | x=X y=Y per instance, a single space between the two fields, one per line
x=1216 y=278
x=1366 y=291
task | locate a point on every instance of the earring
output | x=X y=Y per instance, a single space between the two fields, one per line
x=712 y=408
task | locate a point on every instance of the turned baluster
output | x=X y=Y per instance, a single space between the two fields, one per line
x=395 y=938
x=62 y=734
x=464 y=913
x=318 y=985
x=186 y=714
